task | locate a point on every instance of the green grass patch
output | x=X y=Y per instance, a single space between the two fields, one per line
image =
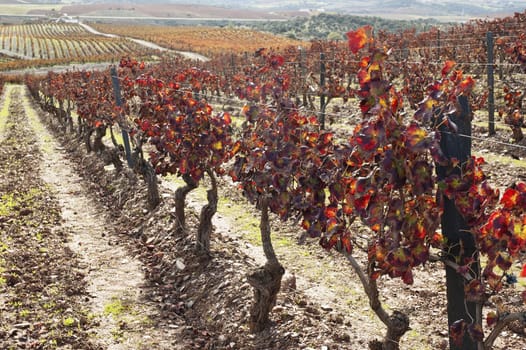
x=283 y=242
x=117 y=134
x=69 y=322
x=245 y=222
x=7 y=204
x=414 y=335
x=4 y=112
x=123 y=312
x=3 y=248
x=49 y=305
x=17 y=304
x=116 y=308
x=10 y=201
x=2 y=270
x=496 y=158
x=47 y=140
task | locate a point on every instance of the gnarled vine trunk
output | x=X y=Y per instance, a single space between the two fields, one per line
x=80 y=125
x=180 y=198
x=98 y=145
x=150 y=177
x=207 y=212
x=69 y=117
x=397 y=323
x=265 y=280
x=517 y=133
x=62 y=116
x=111 y=156
x=88 y=131
x=143 y=167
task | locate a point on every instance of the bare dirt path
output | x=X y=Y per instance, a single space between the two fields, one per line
x=42 y=288
x=115 y=281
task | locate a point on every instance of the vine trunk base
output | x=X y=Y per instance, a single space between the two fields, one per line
x=266 y=282
x=397 y=327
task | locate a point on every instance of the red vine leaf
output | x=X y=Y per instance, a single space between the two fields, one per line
x=510 y=198
x=491 y=318
x=416 y=138
x=466 y=86
x=358 y=38
x=448 y=65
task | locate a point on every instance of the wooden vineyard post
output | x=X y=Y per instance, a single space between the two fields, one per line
x=118 y=101
x=438 y=45
x=233 y=64
x=491 y=84
x=322 y=86
x=460 y=242
x=302 y=64
x=501 y=64
x=303 y=76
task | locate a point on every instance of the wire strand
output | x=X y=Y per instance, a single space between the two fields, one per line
x=507 y=144
x=341 y=116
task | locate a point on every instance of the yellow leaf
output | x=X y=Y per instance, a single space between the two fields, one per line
x=218 y=146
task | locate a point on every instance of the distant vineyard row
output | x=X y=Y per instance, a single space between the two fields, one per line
x=204 y=40
x=50 y=43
